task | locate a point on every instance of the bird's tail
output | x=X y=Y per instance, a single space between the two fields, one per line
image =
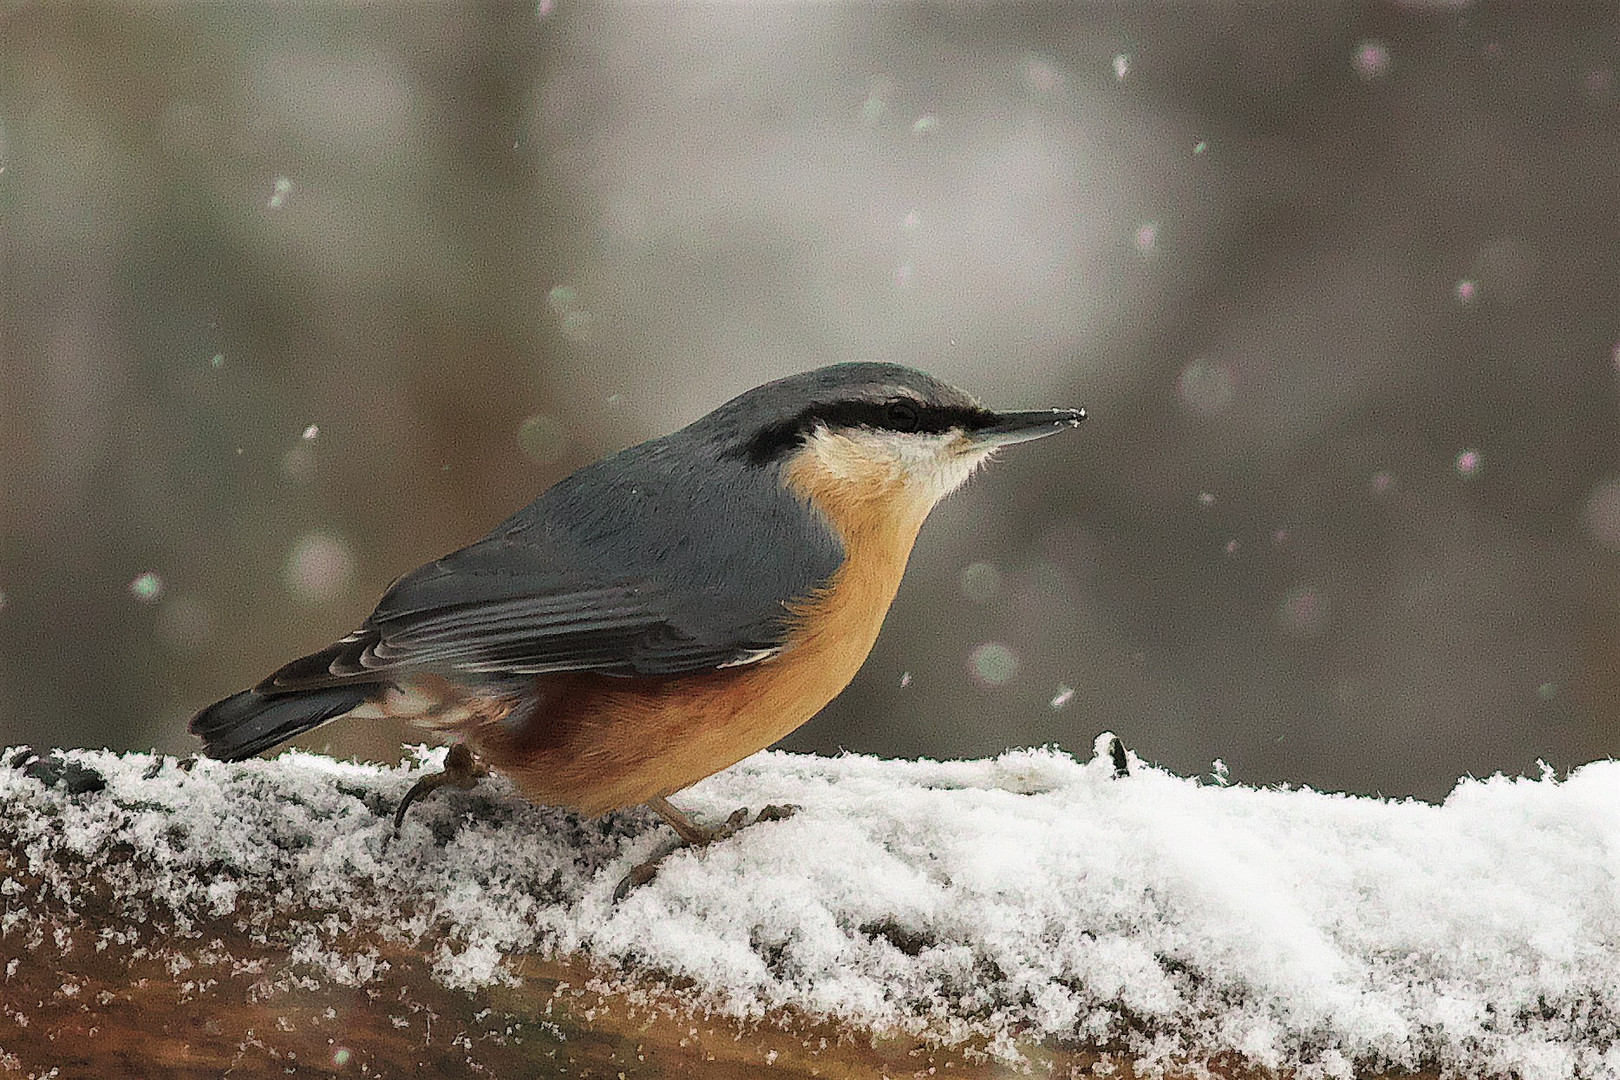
x=245 y=723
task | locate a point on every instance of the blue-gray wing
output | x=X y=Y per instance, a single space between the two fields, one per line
x=637 y=565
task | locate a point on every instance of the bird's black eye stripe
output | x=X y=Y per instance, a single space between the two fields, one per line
x=905 y=415
x=902 y=415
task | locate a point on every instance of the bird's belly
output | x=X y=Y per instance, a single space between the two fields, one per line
x=597 y=743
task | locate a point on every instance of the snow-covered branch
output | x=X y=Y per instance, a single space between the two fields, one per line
x=1027 y=909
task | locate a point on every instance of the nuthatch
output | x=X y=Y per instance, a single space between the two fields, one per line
x=665 y=612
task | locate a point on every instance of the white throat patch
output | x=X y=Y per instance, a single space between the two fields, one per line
x=931 y=465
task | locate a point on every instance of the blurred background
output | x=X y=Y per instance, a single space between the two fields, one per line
x=296 y=297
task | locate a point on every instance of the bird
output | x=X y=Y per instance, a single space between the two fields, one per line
x=663 y=613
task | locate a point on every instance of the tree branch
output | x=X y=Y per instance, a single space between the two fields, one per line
x=1030 y=911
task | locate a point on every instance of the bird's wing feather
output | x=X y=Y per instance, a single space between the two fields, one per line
x=629 y=567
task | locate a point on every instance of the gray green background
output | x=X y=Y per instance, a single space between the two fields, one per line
x=1338 y=282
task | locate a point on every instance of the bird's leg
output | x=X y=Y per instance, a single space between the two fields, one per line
x=690 y=831
x=693 y=835
x=460 y=770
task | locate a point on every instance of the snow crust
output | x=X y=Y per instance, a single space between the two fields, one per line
x=1029 y=897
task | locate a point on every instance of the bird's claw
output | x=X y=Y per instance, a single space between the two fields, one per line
x=644 y=872
x=729 y=828
x=694 y=835
x=460 y=770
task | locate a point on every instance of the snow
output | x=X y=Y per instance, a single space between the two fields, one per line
x=998 y=903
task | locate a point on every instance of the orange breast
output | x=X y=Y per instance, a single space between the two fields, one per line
x=597 y=743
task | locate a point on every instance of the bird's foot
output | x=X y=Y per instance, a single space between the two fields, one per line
x=460 y=770
x=700 y=835
x=776 y=812
x=694 y=835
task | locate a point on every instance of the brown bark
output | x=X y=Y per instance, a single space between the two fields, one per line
x=217 y=1002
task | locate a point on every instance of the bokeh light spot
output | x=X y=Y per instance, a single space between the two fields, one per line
x=318 y=568
x=993 y=664
x=1602 y=514
x=1371 y=59
x=1205 y=387
x=543 y=438
x=298 y=464
x=1547 y=691
x=1382 y=482
x=1200 y=146
x=905 y=679
x=1303 y=612
x=563 y=298
x=1469 y=463
x=1064 y=695
x=1467 y=290
x=279 y=192
x=872 y=109
x=1041 y=75
x=980 y=582
x=1147 y=237
x=310 y=432
x=1122 y=66
x=217 y=361
x=146 y=587
x=572 y=316
x=1231 y=547
x=1205 y=498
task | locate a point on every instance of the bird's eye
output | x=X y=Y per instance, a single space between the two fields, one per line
x=901 y=416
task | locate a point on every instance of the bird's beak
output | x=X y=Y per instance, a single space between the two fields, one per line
x=1016 y=427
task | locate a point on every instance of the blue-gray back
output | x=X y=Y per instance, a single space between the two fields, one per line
x=658 y=560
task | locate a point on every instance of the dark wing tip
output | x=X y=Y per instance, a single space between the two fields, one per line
x=246 y=723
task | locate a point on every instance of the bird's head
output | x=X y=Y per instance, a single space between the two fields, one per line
x=868 y=430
